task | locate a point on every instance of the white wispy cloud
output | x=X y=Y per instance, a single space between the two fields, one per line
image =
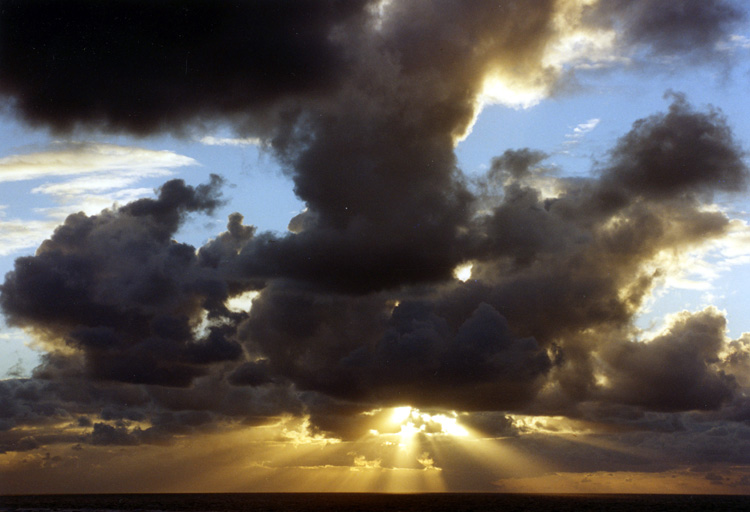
x=94 y=177
x=79 y=158
x=581 y=130
x=96 y=183
x=91 y=204
x=228 y=141
x=734 y=42
x=17 y=234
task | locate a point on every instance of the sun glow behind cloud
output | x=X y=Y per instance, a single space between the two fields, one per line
x=243 y=302
x=463 y=272
x=504 y=91
x=413 y=421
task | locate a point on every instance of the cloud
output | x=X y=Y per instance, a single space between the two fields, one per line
x=678 y=370
x=737 y=360
x=83 y=158
x=545 y=271
x=104 y=434
x=18 y=234
x=228 y=141
x=680 y=152
x=357 y=307
x=685 y=28
x=415 y=357
x=171 y=62
x=94 y=176
x=738 y=41
x=83 y=266
x=580 y=131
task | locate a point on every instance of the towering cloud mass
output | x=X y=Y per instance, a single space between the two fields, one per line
x=357 y=306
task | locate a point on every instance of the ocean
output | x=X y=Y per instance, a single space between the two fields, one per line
x=448 y=502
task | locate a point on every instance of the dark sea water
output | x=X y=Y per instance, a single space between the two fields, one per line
x=369 y=502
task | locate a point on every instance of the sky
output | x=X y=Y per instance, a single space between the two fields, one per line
x=376 y=246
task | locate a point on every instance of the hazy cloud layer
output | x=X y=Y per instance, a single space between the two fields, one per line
x=358 y=307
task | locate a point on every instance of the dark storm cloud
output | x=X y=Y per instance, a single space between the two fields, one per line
x=27 y=399
x=356 y=349
x=164 y=426
x=358 y=308
x=682 y=152
x=104 y=434
x=555 y=267
x=251 y=374
x=117 y=288
x=376 y=168
x=66 y=408
x=370 y=152
x=515 y=164
x=545 y=271
x=684 y=27
x=696 y=444
x=676 y=371
x=489 y=424
x=737 y=361
x=142 y=66
x=480 y=365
